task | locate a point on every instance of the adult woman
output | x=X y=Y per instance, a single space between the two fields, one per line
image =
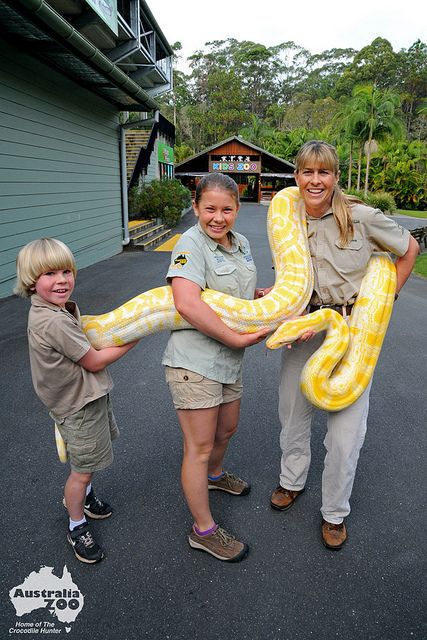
x=343 y=233
x=203 y=365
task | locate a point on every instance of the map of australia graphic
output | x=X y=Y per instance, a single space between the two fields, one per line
x=43 y=590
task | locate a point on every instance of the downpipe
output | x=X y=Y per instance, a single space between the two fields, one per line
x=123 y=178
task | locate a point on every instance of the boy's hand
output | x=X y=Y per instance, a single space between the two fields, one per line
x=95 y=360
x=260 y=293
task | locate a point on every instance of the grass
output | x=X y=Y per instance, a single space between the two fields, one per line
x=414 y=214
x=421 y=265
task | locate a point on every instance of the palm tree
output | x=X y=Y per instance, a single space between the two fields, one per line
x=351 y=121
x=373 y=117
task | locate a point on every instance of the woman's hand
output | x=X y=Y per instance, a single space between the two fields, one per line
x=306 y=336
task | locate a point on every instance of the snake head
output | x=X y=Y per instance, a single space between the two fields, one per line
x=288 y=332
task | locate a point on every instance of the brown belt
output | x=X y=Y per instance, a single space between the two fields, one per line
x=342 y=309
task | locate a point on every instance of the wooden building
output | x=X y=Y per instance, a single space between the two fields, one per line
x=258 y=173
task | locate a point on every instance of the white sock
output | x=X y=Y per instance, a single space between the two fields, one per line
x=75 y=523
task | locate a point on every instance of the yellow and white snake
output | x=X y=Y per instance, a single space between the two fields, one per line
x=339 y=371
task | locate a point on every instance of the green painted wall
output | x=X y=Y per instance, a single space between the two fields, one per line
x=59 y=165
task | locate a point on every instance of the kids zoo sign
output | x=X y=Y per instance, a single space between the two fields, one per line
x=235 y=164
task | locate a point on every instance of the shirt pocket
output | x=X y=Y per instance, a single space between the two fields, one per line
x=224 y=269
x=226 y=278
x=351 y=258
x=354 y=245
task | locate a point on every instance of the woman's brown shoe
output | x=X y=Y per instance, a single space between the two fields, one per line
x=333 y=535
x=283 y=499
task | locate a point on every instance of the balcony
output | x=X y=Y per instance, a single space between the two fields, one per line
x=122 y=56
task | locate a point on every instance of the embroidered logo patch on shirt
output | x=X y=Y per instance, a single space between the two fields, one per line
x=180 y=260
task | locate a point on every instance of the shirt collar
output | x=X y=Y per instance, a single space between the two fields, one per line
x=38 y=301
x=236 y=245
x=329 y=212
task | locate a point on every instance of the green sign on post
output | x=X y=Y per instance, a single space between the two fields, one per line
x=107 y=10
x=165 y=153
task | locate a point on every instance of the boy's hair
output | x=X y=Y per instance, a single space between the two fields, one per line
x=38 y=257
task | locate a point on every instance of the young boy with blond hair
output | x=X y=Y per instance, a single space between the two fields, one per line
x=71 y=379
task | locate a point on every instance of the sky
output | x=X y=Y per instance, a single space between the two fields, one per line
x=314 y=25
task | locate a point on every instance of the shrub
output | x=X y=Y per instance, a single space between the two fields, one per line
x=379 y=199
x=383 y=201
x=163 y=199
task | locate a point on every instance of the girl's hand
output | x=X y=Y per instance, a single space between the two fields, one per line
x=248 y=339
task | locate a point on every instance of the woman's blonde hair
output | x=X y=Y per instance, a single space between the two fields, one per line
x=322 y=154
x=38 y=257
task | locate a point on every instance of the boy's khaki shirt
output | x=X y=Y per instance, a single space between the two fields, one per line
x=57 y=342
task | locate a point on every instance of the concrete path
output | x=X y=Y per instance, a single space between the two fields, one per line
x=151 y=584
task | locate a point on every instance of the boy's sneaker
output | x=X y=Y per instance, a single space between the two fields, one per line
x=96 y=508
x=84 y=546
x=220 y=544
x=231 y=484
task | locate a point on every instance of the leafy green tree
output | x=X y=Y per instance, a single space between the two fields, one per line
x=256 y=130
x=310 y=114
x=411 y=77
x=286 y=145
x=322 y=72
x=182 y=152
x=375 y=64
x=172 y=103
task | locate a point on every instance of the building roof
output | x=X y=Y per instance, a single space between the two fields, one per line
x=276 y=164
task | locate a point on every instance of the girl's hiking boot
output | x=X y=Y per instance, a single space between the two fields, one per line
x=231 y=484
x=220 y=544
x=84 y=546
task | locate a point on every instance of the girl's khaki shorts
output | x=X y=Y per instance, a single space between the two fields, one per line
x=193 y=391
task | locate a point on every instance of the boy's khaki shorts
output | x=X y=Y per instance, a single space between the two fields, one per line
x=88 y=435
x=193 y=391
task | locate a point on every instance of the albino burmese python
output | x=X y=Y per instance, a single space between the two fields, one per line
x=338 y=372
